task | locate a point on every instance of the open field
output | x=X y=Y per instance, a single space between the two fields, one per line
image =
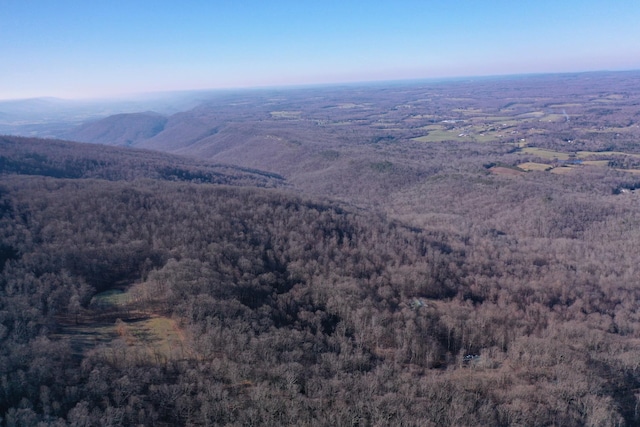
x=112 y=319
x=599 y=163
x=532 y=166
x=545 y=154
x=440 y=136
x=587 y=154
x=563 y=170
x=286 y=114
x=110 y=298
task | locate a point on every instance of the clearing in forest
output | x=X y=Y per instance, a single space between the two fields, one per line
x=532 y=166
x=112 y=321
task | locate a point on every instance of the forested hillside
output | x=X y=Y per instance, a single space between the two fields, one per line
x=65 y=159
x=133 y=297
x=122 y=129
x=462 y=253
x=365 y=143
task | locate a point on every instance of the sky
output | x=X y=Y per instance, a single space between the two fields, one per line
x=86 y=48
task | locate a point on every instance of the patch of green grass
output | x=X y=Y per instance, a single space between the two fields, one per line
x=161 y=333
x=469 y=111
x=349 y=105
x=533 y=166
x=510 y=120
x=563 y=170
x=600 y=163
x=151 y=340
x=531 y=115
x=477 y=133
x=286 y=114
x=566 y=105
x=545 y=154
x=441 y=136
x=587 y=154
x=504 y=124
x=112 y=297
x=153 y=336
x=554 y=118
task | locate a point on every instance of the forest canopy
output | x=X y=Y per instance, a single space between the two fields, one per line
x=447 y=286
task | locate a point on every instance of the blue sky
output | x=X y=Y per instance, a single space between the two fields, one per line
x=92 y=48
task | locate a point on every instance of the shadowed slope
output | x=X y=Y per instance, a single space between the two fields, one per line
x=120 y=129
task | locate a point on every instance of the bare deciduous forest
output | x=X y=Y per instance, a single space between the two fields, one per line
x=458 y=253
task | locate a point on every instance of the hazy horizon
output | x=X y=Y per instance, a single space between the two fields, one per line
x=79 y=50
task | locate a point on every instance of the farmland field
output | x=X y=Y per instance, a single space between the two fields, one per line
x=532 y=166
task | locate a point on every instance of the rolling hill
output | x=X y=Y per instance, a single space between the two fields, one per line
x=120 y=129
x=460 y=253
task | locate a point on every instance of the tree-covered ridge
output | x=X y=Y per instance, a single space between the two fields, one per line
x=64 y=159
x=292 y=311
x=267 y=261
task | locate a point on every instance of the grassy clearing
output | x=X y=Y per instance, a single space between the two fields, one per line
x=154 y=340
x=599 y=163
x=82 y=337
x=563 y=170
x=504 y=124
x=554 y=118
x=155 y=336
x=508 y=120
x=441 y=136
x=111 y=320
x=424 y=116
x=566 y=105
x=286 y=114
x=545 y=154
x=587 y=154
x=532 y=166
x=113 y=297
x=481 y=132
x=349 y=105
x=460 y=99
x=531 y=115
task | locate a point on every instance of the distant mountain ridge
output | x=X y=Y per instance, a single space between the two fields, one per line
x=73 y=160
x=54 y=117
x=120 y=129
